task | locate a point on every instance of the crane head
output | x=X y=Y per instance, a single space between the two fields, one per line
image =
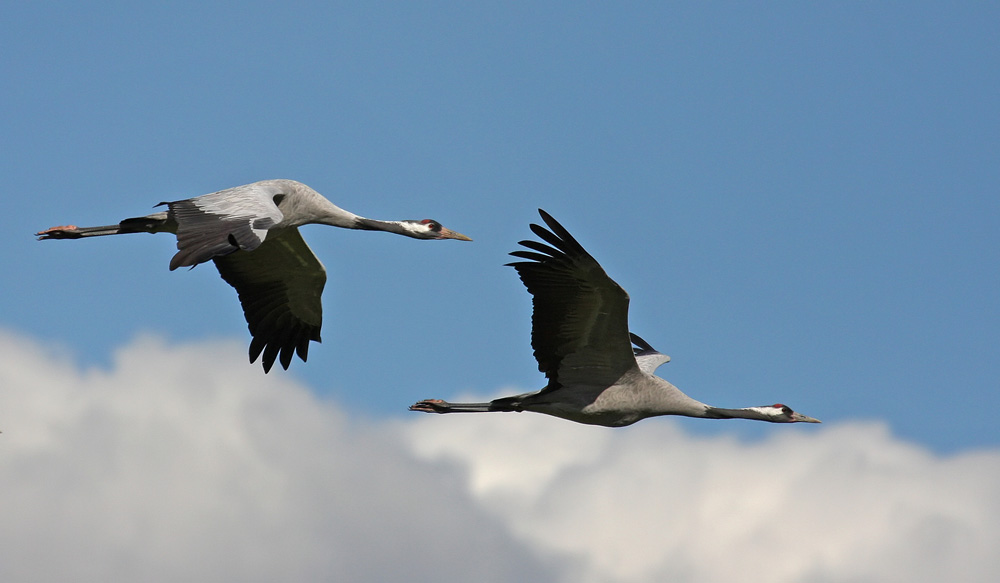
x=431 y=229
x=779 y=413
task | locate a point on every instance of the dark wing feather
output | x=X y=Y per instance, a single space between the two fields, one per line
x=279 y=284
x=579 y=322
x=641 y=346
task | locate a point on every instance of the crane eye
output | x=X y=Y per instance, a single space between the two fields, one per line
x=431 y=224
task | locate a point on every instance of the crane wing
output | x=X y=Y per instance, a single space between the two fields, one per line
x=279 y=284
x=222 y=222
x=579 y=322
x=648 y=358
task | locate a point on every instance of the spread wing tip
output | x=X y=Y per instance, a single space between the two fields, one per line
x=640 y=343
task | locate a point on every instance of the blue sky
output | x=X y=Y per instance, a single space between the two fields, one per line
x=800 y=199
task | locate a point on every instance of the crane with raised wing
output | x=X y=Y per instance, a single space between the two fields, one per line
x=598 y=372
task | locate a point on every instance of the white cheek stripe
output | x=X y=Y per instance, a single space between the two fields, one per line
x=417 y=228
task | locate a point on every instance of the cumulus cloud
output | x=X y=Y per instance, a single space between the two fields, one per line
x=652 y=503
x=185 y=463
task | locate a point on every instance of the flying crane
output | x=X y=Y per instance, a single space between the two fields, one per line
x=598 y=372
x=251 y=234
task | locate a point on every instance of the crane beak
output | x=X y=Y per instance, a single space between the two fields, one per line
x=445 y=233
x=800 y=418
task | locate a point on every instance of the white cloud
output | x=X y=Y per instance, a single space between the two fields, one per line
x=652 y=503
x=185 y=463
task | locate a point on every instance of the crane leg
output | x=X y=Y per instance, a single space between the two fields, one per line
x=439 y=406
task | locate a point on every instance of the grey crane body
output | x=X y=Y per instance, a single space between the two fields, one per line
x=251 y=234
x=634 y=397
x=599 y=373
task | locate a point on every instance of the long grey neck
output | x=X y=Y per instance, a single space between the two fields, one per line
x=397 y=227
x=745 y=413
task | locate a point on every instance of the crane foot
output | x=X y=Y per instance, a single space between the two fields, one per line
x=430 y=406
x=61 y=232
